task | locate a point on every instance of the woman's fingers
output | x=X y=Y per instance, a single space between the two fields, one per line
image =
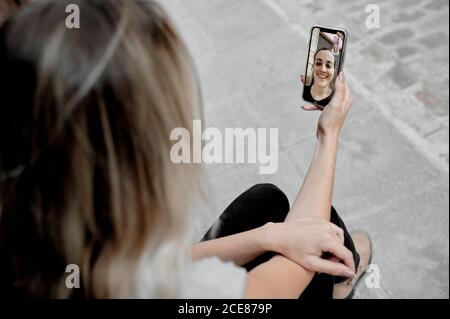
x=312 y=108
x=339 y=232
x=347 y=97
x=330 y=267
x=302 y=79
x=340 y=251
x=339 y=94
x=334 y=259
x=348 y=94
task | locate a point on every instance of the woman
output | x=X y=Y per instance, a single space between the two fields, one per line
x=86 y=177
x=324 y=71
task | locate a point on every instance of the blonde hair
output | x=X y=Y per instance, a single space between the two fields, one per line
x=85 y=173
x=9 y=6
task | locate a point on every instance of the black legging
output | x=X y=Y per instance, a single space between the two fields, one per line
x=265 y=203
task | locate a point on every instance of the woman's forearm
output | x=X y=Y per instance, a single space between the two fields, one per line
x=277 y=278
x=315 y=195
x=240 y=248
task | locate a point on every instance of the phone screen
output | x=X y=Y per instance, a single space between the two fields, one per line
x=325 y=62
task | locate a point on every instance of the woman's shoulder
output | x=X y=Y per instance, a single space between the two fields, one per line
x=213 y=278
x=208 y=278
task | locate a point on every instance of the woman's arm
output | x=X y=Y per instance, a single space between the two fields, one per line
x=299 y=242
x=277 y=278
x=315 y=195
x=281 y=277
x=240 y=248
x=287 y=277
x=302 y=241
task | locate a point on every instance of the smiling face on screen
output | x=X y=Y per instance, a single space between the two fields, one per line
x=324 y=68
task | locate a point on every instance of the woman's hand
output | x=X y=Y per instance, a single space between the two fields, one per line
x=334 y=115
x=305 y=240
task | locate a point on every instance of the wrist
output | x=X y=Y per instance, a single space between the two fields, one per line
x=270 y=241
x=331 y=138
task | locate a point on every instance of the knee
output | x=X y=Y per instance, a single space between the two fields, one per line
x=334 y=217
x=269 y=191
x=272 y=200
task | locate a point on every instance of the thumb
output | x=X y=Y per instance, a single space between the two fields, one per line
x=339 y=93
x=312 y=108
x=302 y=79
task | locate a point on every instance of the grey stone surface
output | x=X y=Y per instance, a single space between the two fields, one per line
x=397 y=35
x=392 y=171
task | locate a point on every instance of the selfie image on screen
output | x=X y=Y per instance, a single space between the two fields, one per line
x=324 y=61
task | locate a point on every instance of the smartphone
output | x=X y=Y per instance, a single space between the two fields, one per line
x=326 y=54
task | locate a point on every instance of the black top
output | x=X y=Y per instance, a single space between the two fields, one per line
x=308 y=97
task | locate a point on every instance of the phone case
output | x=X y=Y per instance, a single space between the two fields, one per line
x=324 y=28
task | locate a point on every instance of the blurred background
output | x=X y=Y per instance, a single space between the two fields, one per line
x=393 y=170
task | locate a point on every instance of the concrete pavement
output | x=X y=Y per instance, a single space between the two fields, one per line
x=392 y=173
